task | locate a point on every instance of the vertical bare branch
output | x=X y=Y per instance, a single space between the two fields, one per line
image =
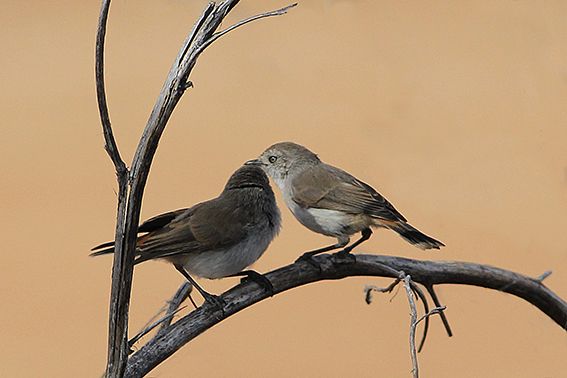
x=110 y=143
x=117 y=332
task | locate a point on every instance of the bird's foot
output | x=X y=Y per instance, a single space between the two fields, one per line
x=215 y=301
x=344 y=257
x=308 y=258
x=260 y=279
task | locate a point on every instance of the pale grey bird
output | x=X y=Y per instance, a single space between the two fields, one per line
x=330 y=201
x=217 y=238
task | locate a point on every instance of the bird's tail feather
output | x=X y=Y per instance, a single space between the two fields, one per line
x=103 y=249
x=108 y=248
x=413 y=236
x=103 y=252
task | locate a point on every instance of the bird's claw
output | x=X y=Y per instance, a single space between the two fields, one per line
x=261 y=280
x=344 y=256
x=215 y=301
x=308 y=258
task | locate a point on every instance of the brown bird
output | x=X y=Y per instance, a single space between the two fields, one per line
x=217 y=238
x=332 y=202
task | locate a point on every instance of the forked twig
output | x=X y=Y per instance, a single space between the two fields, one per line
x=444 y=319
x=418 y=292
x=436 y=310
x=170 y=309
x=413 y=325
x=149 y=327
x=180 y=295
x=277 y=12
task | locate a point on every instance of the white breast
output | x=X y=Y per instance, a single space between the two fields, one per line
x=322 y=221
x=228 y=261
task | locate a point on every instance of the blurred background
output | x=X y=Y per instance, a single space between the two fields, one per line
x=455 y=111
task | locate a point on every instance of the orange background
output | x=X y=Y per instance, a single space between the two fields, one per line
x=455 y=111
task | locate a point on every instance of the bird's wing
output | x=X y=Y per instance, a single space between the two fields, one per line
x=152 y=224
x=327 y=187
x=160 y=221
x=206 y=226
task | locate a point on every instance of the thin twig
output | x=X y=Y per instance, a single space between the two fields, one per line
x=368 y=289
x=416 y=289
x=436 y=310
x=180 y=295
x=437 y=303
x=148 y=328
x=277 y=12
x=171 y=308
x=413 y=326
x=110 y=142
x=543 y=276
x=421 y=295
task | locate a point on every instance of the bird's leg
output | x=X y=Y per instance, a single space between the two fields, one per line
x=212 y=299
x=308 y=256
x=259 y=278
x=345 y=253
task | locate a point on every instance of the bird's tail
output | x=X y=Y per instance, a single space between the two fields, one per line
x=414 y=236
x=103 y=249
x=108 y=248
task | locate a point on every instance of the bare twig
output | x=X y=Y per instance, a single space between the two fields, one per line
x=543 y=276
x=418 y=292
x=413 y=325
x=436 y=310
x=277 y=12
x=180 y=295
x=424 y=272
x=171 y=308
x=410 y=291
x=110 y=143
x=437 y=303
x=149 y=327
x=368 y=289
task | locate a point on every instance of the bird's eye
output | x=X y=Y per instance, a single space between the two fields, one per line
x=273 y=159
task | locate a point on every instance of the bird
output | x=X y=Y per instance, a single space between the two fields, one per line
x=216 y=238
x=332 y=202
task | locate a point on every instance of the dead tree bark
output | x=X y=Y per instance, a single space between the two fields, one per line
x=132 y=182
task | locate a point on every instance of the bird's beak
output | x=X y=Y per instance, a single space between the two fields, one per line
x=254 y=162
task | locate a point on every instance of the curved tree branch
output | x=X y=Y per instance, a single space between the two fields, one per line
x=427 y=273
x=117 y=332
